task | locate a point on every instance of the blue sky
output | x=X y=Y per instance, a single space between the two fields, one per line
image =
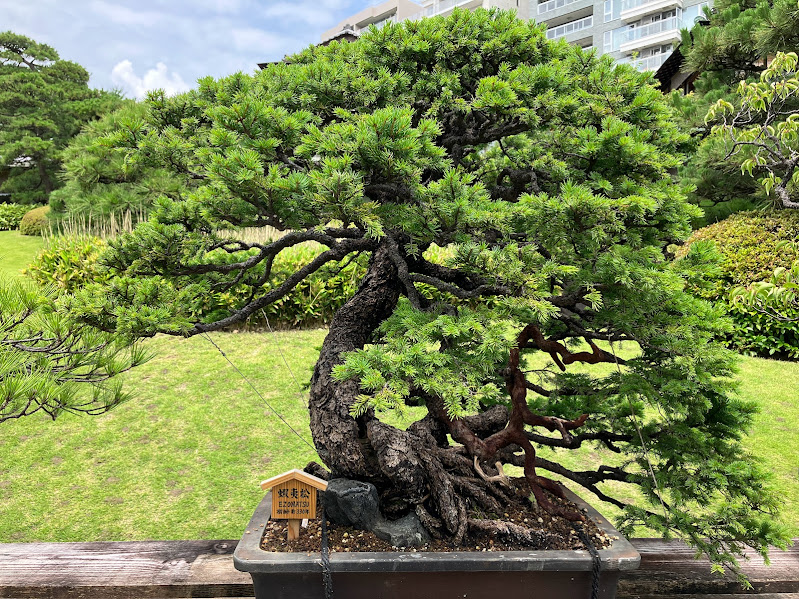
x=139 y=45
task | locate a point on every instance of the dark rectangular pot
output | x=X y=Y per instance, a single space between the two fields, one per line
x=427 y=575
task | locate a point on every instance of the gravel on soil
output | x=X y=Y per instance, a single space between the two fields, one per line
x=521 y=512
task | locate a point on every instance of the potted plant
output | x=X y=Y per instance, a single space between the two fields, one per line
x=398 y=574
x=514 y=200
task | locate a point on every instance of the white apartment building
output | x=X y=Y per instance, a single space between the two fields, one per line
x=378 y=13
x=641 y=32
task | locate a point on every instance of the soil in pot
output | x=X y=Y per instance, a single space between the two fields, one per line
x=559 y=533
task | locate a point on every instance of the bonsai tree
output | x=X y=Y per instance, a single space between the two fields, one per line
x=52 y=365
x=544 y=172
x=97 y=180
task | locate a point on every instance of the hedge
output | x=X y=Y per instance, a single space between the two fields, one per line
x=748 y=243
x=35 y=221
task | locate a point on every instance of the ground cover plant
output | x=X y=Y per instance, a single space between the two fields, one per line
x=547 y=171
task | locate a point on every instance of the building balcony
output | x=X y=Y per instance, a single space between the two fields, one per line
x=558 y=12
x=658 y=32
x=443 y=7
x=633 y=10
x=571 y=31
x=549 y=6
x=649 y=63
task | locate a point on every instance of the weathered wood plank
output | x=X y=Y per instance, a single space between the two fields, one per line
x=170 y=569
x=669 y=568
x=736 y=596
x=124 y=570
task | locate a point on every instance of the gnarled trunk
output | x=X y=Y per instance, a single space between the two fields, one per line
x=340 y=439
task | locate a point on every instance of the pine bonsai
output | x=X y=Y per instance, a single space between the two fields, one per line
x=544 y=171
x=50 y=364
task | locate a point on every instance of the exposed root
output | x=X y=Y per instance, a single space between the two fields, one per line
x=514 y=532
x=463 y=523
x=483 y=499
x=432 y=524
x=500 y=478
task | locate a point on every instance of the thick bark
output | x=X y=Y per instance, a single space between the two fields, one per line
x=340 y=439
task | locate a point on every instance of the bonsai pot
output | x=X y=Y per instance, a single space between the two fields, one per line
x=427 y=575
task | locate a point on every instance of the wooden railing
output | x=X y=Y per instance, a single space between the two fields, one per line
x=161 y=569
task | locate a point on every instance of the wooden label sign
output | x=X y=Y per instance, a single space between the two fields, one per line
x=294 y=497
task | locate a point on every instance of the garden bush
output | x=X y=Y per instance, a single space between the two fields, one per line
x=750 y=248
x=69 y=263
x=35 y=221
x=11 y=215
x=312 y=303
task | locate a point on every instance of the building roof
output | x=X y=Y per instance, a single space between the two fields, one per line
x=670 y=67
x=295 y=474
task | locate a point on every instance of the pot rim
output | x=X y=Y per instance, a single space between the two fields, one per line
x=249 y=557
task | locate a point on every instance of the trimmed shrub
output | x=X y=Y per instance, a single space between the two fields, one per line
x=69 y=263
x=11 y=215
x=35 y=221
x=748 y=245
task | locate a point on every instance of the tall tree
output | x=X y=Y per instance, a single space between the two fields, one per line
x=44 y=101
x=740 y=36
x=763 y=132
x=545 y=171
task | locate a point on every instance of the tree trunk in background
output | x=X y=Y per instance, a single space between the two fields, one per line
x=47 y=183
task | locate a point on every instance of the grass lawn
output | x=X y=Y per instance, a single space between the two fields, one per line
x=16 y=252
x=182 y=460
x=184 y=457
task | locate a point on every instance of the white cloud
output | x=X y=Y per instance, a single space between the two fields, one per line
x=125 y=77
x=126 y=16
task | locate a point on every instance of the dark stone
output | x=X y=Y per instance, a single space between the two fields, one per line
x=405 y=532
x=351 y=503
x=355 y=503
